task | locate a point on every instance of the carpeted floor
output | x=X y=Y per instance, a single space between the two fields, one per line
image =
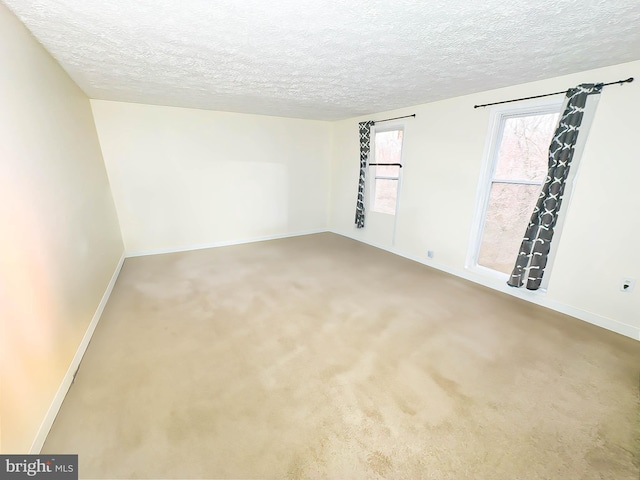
x=321 y=357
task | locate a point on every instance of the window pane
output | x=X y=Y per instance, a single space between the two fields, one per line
x=508 y=213
x=384 y=200
x=387 y=171
x=388 y=149
x=524 y=148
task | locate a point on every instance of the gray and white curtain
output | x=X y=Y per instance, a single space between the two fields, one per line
x=534 y=250
x=365 y=147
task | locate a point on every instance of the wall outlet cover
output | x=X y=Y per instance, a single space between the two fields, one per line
x=627 y=284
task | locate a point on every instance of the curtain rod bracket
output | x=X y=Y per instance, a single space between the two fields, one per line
x=628 y=80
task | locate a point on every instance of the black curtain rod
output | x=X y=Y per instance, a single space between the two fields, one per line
x=619 y=82
x=396 y=118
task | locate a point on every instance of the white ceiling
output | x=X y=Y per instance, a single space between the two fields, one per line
x=324 y=59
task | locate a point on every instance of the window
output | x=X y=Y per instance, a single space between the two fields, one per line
x=387 y=148
x=516 y=170
x=515 y=167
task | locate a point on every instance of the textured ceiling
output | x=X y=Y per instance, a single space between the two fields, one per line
x=324 y=59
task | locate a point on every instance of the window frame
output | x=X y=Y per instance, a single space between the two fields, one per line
x=498 y=117
x=373 y=177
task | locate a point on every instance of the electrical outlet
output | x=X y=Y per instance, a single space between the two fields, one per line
x=627 y=284
x=430 y=253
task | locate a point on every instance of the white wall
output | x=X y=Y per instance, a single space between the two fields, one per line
x=59 y=237
x=443 y=156
x=185 y=178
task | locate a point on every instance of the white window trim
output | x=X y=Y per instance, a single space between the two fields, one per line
x=494 y=137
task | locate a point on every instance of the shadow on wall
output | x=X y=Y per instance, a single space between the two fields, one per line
x=32 y=332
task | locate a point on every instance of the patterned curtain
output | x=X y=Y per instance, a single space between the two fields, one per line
x=365 y=146
x=535 y=246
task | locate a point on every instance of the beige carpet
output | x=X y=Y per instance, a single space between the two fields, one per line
x=321 y=357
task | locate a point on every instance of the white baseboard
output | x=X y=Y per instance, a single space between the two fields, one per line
x=49 y=418
x=539 y=299
x=228 y=243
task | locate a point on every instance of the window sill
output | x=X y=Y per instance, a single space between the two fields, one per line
x=498 y=280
